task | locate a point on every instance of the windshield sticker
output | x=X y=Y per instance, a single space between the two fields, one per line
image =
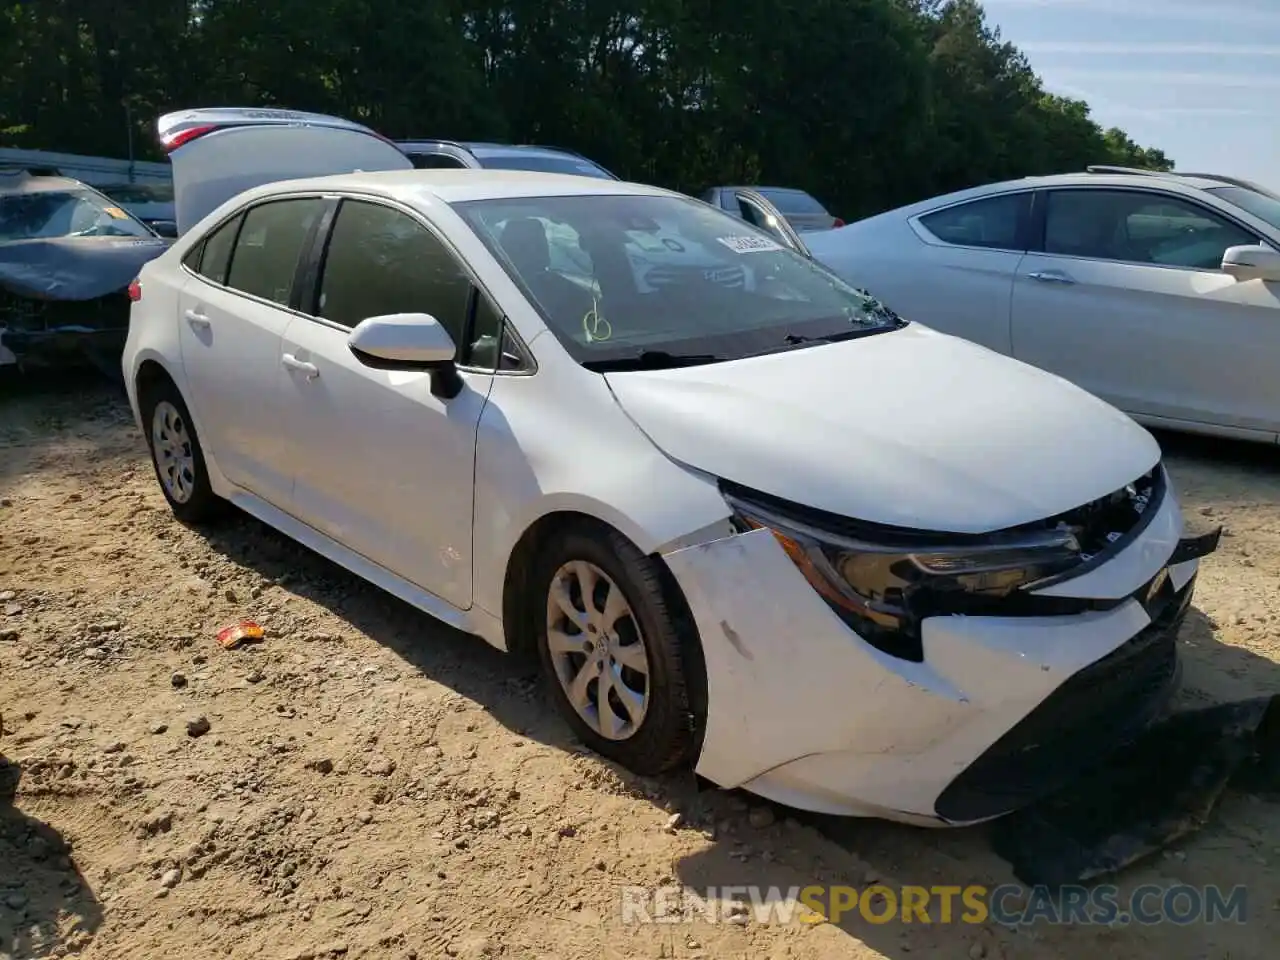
x=749 y=244
x=116 y=213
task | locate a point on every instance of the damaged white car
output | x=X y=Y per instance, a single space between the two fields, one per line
x=769 y=530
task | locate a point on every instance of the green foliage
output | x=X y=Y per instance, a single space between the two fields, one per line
x=866 y=103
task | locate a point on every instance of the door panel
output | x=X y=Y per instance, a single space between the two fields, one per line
x=1152 y=340
x=231 y=342
x=384 y=467
x=1172 y=338
x=231 y=355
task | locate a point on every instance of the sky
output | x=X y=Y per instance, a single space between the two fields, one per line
x=1200 y=79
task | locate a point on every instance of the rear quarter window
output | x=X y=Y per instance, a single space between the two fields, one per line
x=992 y=222
x=212 y=255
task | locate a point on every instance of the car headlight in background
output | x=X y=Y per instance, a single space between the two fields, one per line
x=883 y=586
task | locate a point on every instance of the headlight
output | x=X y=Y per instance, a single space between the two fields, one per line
x=883 y=589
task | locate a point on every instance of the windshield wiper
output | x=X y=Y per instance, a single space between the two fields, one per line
x=651 y=360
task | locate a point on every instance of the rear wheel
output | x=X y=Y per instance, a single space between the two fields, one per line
x=612 y=653
x=176 y=455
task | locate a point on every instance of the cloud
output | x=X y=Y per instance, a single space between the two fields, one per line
x=1202 y=11
x=1105 y=110
x=1103 y=47
x=1172 y=78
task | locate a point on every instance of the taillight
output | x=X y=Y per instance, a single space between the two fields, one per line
x=135 y=290
x=838 y=223
x=174 y=141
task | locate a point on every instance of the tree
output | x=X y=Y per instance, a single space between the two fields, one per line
x=866 y=103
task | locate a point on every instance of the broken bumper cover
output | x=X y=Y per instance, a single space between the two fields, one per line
x=801 y=711
x=48 y=333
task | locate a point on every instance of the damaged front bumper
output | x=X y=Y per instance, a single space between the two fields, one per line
x=55 y=333
x=1001 y=710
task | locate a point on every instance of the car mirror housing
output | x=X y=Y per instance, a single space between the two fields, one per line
x=1252 y=262
x=408 y=341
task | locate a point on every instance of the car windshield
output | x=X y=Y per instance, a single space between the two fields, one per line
x=49 y=214
x=1259 y=204
x=544 y=163
x=661 y=281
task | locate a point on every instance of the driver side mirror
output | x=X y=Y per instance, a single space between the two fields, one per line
x=165 y=228
x=409 y=341
x=1252 y=262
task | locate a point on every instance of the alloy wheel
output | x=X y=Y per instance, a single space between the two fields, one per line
x=598 y=650
x=171 y=447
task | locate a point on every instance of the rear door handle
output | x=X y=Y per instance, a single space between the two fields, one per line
x=290 y=362
x=1050 y=276
x=197 y=319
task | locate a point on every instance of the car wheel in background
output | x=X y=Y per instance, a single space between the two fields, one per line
x=610 y=645
x=176 y=454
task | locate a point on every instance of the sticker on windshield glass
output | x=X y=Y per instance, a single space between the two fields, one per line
x=116 y=213
x=749 y=244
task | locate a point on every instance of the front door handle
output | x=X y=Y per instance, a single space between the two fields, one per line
x=197 y=319
x=290 y=362
x=1050 y=276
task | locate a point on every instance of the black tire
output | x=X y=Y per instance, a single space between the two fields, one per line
x=202 y=505
x=670 y=733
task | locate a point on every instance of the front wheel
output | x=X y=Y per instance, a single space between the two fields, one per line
x=615 y=661
x=177 y=456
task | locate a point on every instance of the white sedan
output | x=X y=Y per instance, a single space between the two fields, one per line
x=776 y=533
x=1159 y=293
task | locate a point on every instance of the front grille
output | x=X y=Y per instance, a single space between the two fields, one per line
x=1101 y=526
x=28 y=316
x=1094 y=712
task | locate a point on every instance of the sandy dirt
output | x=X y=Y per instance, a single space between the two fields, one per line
x=373 y=785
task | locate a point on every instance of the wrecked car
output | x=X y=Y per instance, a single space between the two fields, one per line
x=773 y=532
x=67 y=257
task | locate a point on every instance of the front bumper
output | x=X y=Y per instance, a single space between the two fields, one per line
x=49 y=333
x=1001 y=710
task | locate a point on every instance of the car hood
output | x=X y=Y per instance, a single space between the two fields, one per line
x=74 y=268
x=911 y=428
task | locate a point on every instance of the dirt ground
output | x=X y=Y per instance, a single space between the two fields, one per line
x=373 y=785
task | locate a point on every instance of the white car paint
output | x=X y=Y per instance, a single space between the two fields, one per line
x=428 y=498
x=1179 y=347
x=965 y=451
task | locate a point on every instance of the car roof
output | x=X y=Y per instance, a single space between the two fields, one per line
x=486 y=148
x=456 y=186
x=1102 y=177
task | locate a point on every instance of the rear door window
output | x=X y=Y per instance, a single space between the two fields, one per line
x=269 y=246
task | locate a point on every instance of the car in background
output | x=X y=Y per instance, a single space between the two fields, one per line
x=842 y=561
x=1158 y=292
x=801 y=210
x=152 y=203
x=456 y=155
x=67 y=256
